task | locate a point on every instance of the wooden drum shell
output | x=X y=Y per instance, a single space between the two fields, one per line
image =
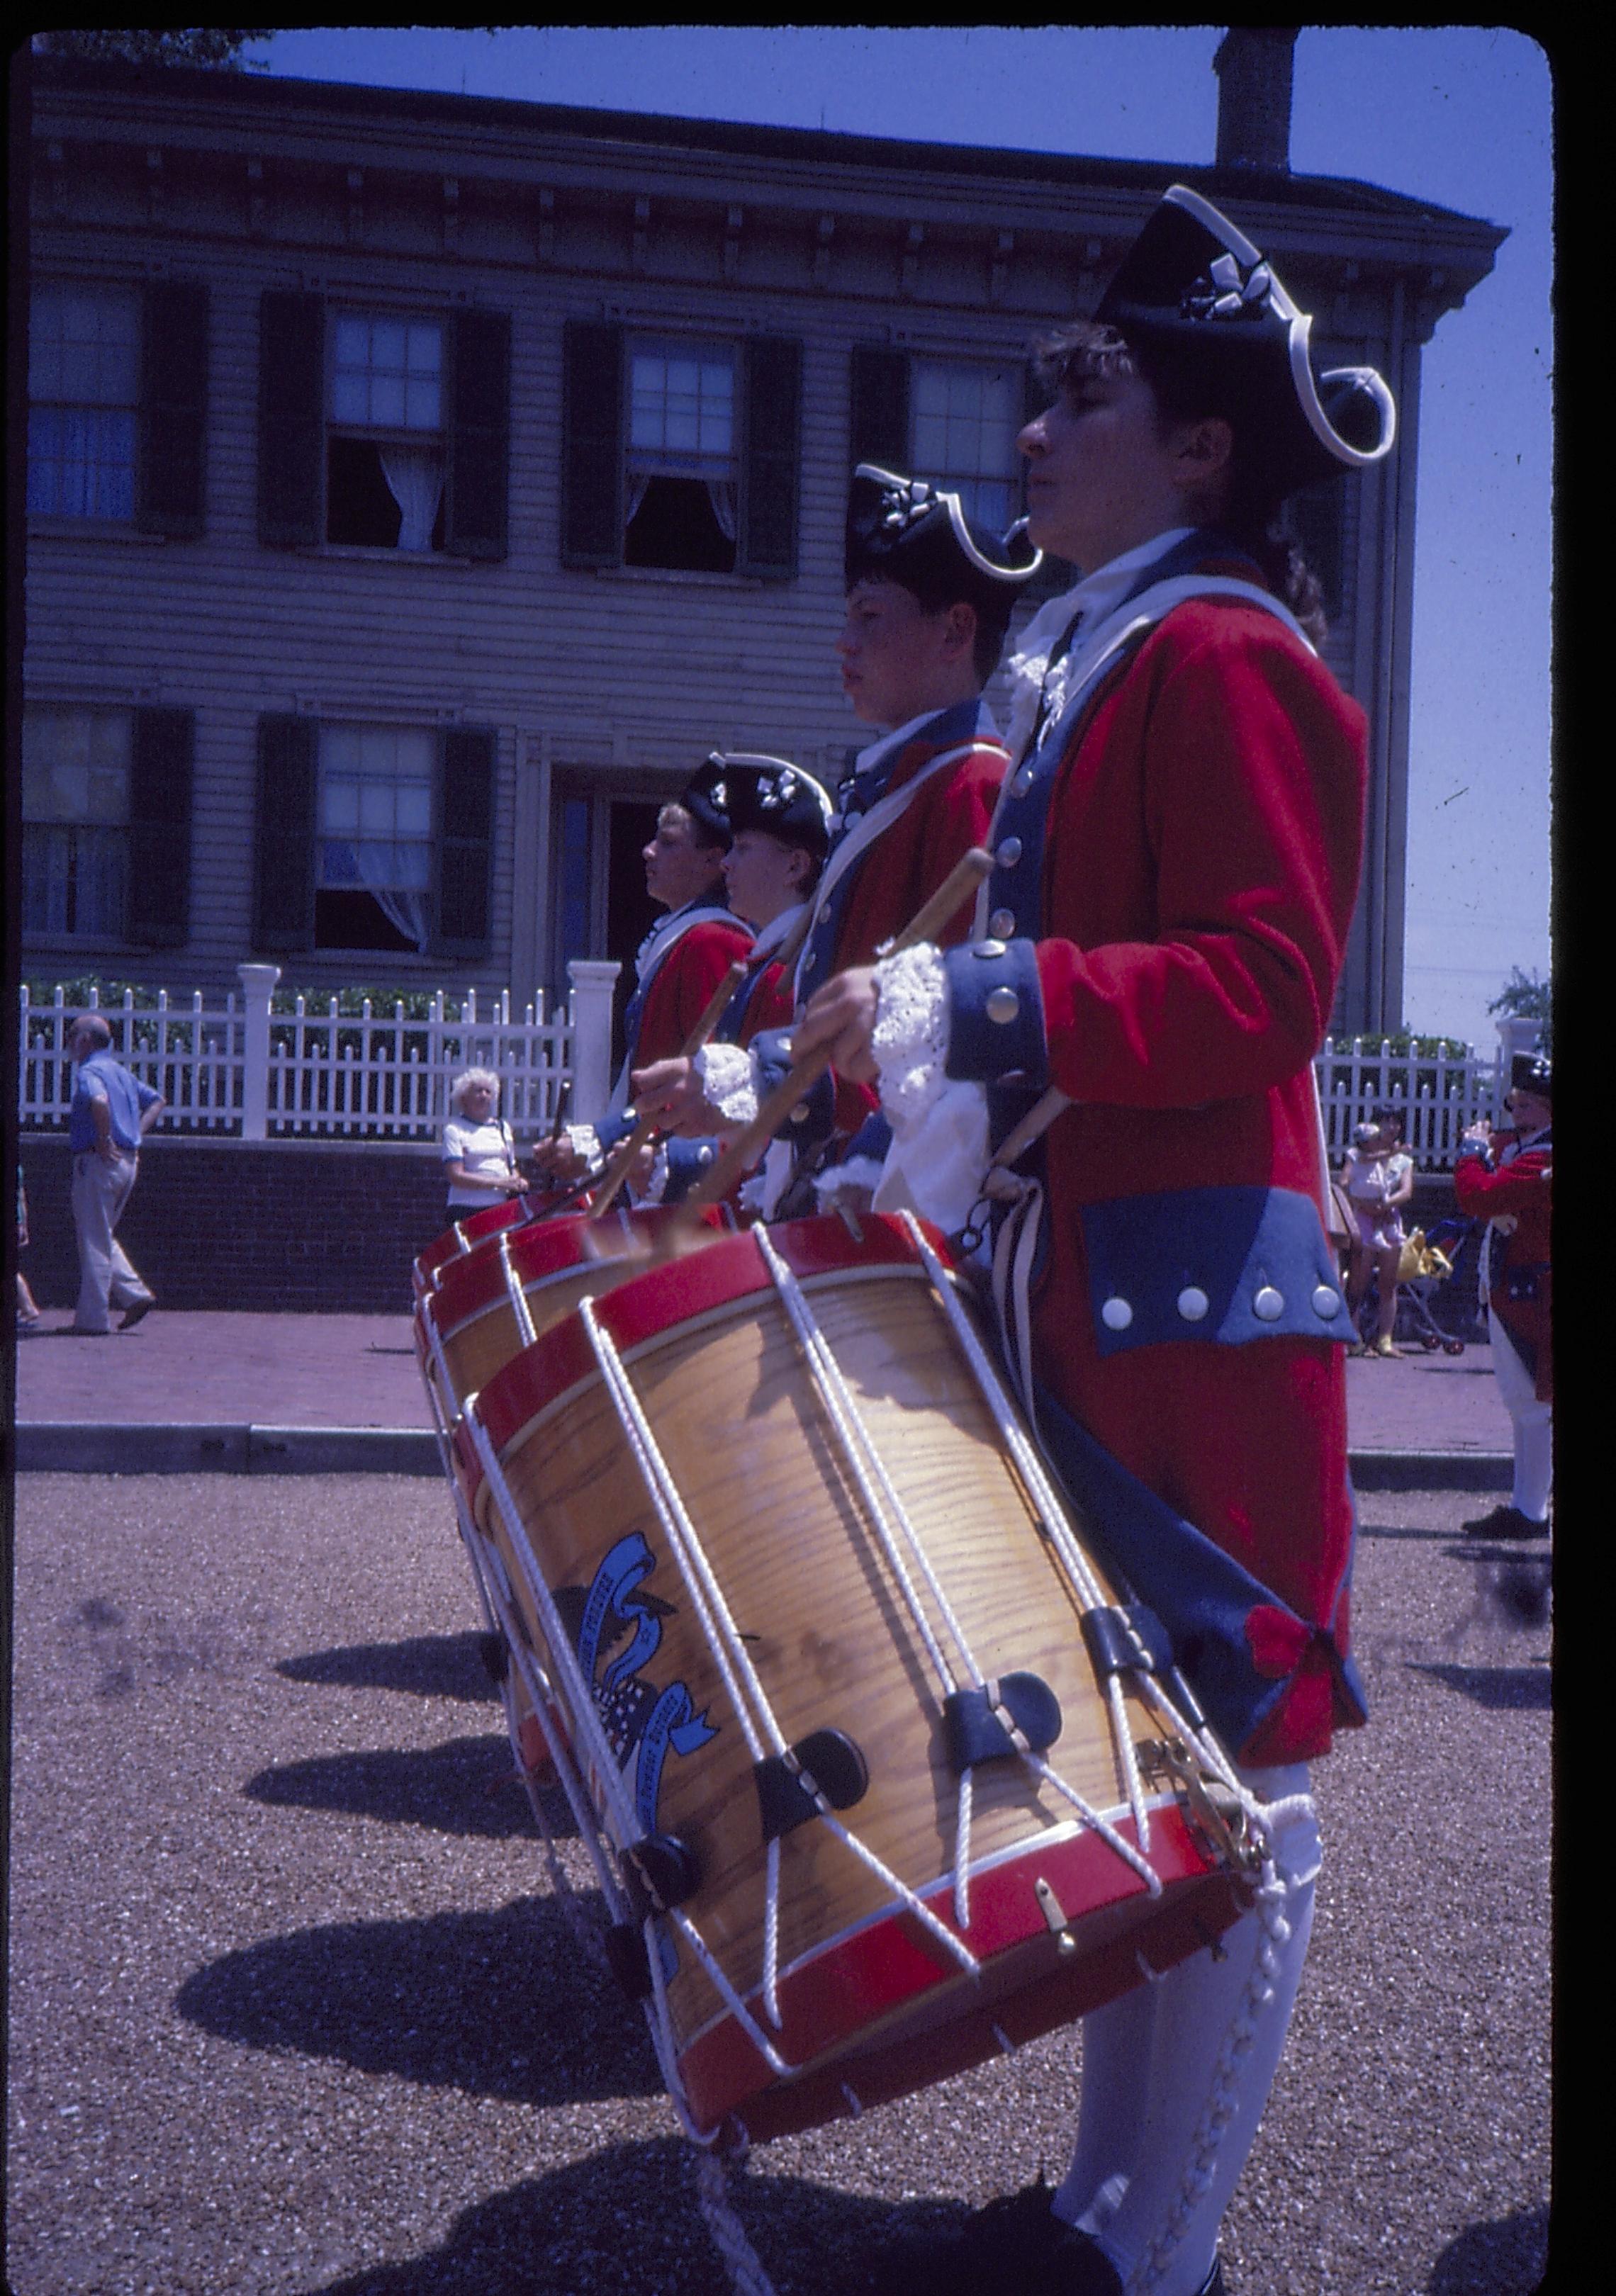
x=869 y=2000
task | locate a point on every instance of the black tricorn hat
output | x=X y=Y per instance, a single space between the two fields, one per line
x=1194 y=288
x=706 y=801
x=773 y=795
x=1533 y=1072
x=907 y=530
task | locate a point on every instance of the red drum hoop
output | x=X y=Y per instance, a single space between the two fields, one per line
x=689 y=1380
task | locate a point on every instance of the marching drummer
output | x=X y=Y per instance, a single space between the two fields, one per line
x=780 y=819
x=930 y=593
x=679 y=964
x=1176 y=856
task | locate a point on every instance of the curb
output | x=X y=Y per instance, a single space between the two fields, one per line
x=71 y=1447
x=66 y=1447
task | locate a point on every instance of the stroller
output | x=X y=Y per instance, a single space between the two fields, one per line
x=1428 y=1261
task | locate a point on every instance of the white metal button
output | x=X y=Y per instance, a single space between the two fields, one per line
x=1192 y=1303
x=988 y=948
x=1116 y=1314
x=1009 y=853
x=1327 y=1302
x=1023 y=783
x=1269 y=1304
x=1003 y=1004
x=1003 y=922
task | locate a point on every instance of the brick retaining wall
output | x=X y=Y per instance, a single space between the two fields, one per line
x=333 y=1228
x=221 y=1224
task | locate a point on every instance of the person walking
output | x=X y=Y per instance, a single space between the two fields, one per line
x=111 y=1113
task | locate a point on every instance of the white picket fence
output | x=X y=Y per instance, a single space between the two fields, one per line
x=241 y=1069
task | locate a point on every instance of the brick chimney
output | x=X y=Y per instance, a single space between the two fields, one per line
x=1253 y=67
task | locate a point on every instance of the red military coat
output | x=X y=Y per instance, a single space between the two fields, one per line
x=1509 y=1182
x=1200 y=848
x=682 y=985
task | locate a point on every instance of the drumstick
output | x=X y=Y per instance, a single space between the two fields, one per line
x=1032 y=1127
x=618 y=1166
x=743 y=1151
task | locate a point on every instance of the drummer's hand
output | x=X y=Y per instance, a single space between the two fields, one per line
x=517 y=1184
x=1480 y=1132
x=841 y=1016
x=670 y=1091
x=557 y=1160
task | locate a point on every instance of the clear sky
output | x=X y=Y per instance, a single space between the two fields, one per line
x=1460 y=115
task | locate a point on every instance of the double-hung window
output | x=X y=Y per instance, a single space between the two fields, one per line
x=384 y=438
x=106 y=823
x=681 y=469
x=386 y=431
x=84 y=400
x=964 y=418
x=75 y=823
x=374 y=858
x=679 y=451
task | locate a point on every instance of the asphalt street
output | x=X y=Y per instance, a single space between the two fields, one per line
x=294 y=2012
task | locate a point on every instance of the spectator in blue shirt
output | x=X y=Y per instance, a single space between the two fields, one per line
x=110 y=1115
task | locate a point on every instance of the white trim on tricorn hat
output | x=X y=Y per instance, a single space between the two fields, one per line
x=1213 y=290
x=904 y=517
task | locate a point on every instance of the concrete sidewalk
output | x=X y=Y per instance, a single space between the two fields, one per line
x=322 y=1394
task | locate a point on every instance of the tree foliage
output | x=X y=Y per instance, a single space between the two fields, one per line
x=1527 y=996
x=213 y=50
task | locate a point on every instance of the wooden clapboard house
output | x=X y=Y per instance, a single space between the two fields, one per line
x=420 y=486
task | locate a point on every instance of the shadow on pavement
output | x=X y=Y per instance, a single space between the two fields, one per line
x=431 y=1665
x=1525 y=1688
x=1509 y=2256
x=465 y=1786
x=628 y=2221
x=499 y=2005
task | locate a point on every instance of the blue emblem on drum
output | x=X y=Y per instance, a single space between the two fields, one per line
x=643 y=1723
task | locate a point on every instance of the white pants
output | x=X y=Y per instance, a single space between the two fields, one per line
x=1534 y=1425
x=106 y=1278
x=1148 y=2178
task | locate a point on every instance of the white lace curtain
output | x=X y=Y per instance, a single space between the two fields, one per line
x=721 y=492
x=414 y=475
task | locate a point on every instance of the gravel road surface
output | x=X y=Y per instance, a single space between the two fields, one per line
x=294 y=2013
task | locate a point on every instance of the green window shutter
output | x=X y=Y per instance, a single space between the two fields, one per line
x=284 y=890
x=173 y=409
x=878 y=430
x=477 y=496
x=465 y=842
x=292 y=418
x=1055 y=574
x=159 y=828
x=592 y=444
x=773 y=398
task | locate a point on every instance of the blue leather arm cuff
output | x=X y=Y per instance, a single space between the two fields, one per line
x=872 y=1138
x=772 y=1062
x=610 y=1130
x=996 y=1012
x=1223 y=1264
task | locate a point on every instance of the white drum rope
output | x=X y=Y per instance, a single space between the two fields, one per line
x=746 y=2272
x=515 y=1293
x=753 y=1709
x=867 y=1467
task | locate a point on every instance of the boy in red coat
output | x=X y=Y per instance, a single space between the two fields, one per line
x=1176 y=854
x=1505 y=1177
x=929 y=600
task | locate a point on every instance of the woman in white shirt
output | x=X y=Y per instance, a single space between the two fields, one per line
x=1379 y=1180
x=479 y=1153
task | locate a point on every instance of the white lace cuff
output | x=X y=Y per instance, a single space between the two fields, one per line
x=910 y=1044
x=584 y=1142
x=728 y=1083
x=858 y=1172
